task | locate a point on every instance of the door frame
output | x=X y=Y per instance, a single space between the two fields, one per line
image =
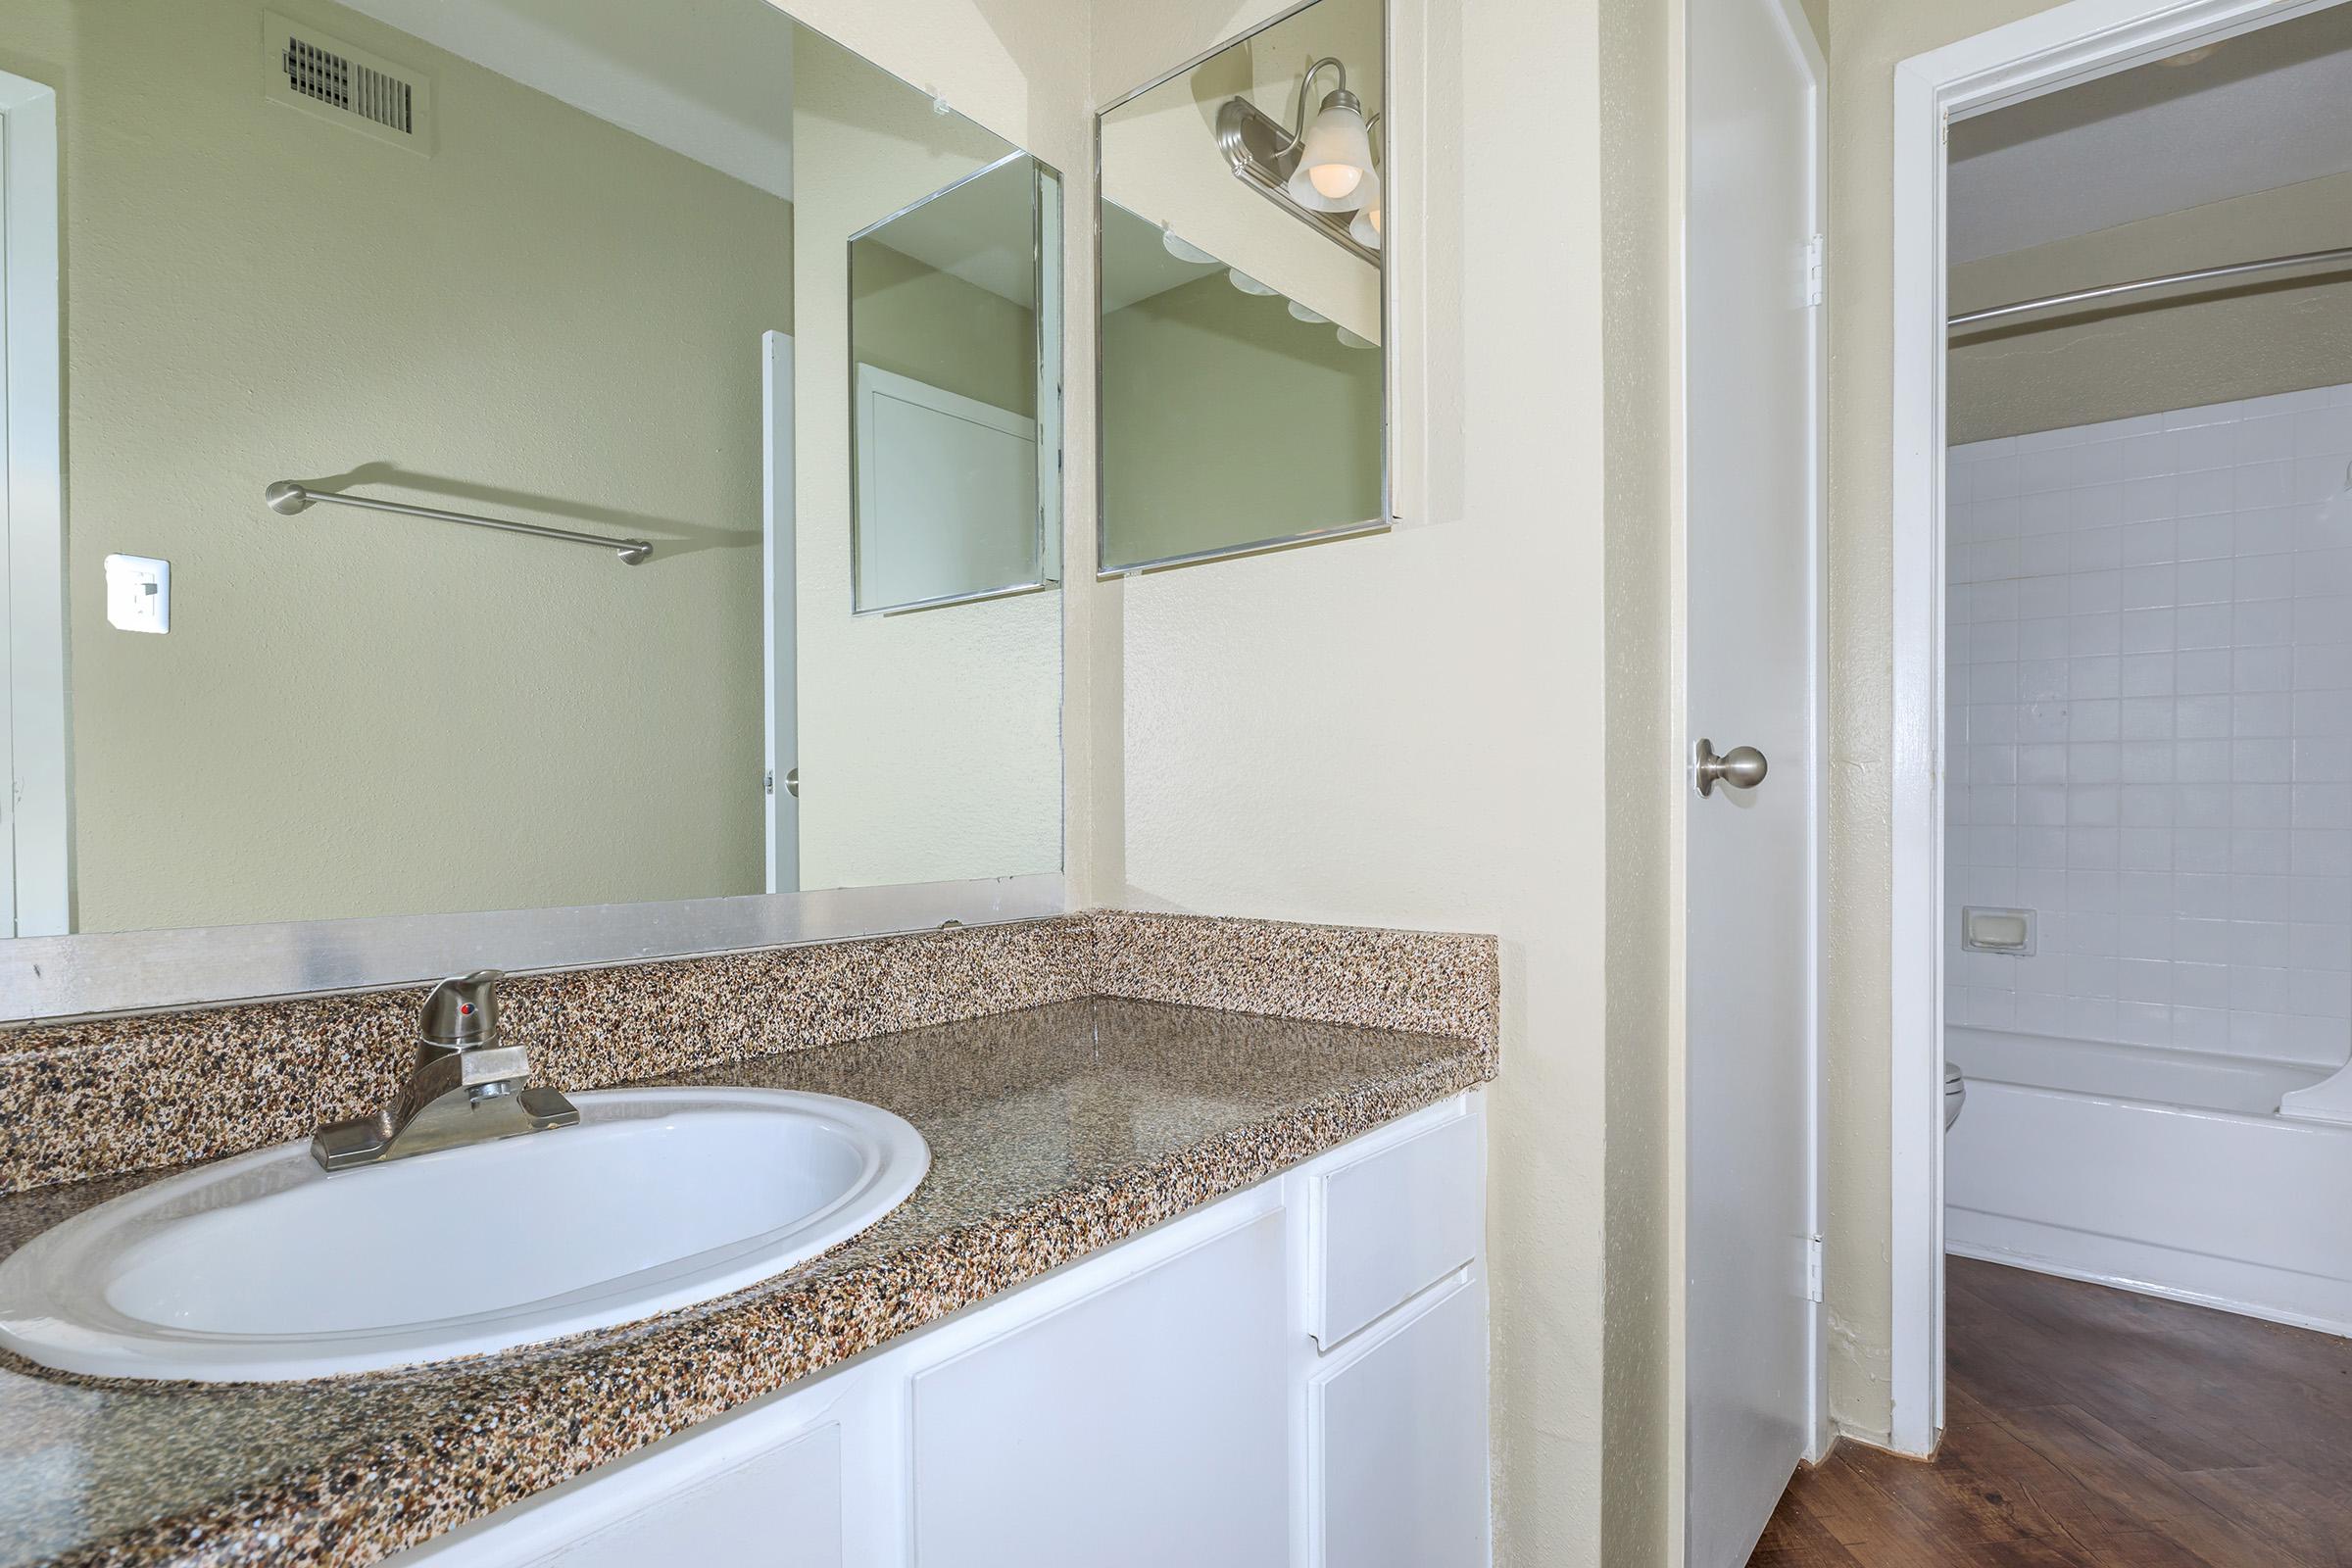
x=37 y=899
x=779 y=620
x=2069 y=43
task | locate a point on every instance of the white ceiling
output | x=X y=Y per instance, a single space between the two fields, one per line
x=2265 y=108
x=711 y=79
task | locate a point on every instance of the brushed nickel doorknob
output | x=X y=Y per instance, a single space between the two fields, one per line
x=1742 y=768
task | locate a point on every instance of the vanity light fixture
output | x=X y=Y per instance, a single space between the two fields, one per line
x=1184 y=249
x=1334 y=170
x=1321 y=170
x=1302 y=311
x=1245 y=284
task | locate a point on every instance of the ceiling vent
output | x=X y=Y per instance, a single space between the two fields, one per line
x=321 y=75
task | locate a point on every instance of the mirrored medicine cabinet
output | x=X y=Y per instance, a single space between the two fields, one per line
x=1242 y=242
x=522 y=456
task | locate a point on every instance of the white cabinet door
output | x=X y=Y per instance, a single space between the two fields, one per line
x=1145 y=1426
x=1398 y=1436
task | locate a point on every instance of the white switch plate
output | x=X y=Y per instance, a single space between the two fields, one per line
x=138 y=594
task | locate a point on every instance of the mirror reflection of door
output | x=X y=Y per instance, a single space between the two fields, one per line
x=779 y=653
x=950 y=370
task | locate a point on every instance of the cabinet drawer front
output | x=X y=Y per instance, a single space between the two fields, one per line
x=1399 y=1441
x=780 y=1509
x=1395 y=1223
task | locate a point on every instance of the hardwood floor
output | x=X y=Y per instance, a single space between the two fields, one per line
x=2097 y=1429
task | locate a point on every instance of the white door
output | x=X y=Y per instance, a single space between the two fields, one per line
x=780 y=656
x=947 y=495
x=1753 y=394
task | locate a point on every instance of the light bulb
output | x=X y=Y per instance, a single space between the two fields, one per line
x=1334 y=173
x=1335 y=180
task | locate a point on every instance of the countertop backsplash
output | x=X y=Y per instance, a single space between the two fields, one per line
x=137 y=1093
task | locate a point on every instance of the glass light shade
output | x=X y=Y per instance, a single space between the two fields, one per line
x=1307 y=313
x=1365 y=230
x=1184 y=249
x=1245 y=284
x=1335 y=160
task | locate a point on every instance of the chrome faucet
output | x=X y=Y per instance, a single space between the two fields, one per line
x=466 y=1087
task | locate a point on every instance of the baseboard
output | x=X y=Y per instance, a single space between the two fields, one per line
x=2226 y=1285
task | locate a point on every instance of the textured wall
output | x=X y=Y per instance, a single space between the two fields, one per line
x=282 y=754
x=1868 y=38
x=1642 y=1406
x=2281 y=335
x=1417 y=723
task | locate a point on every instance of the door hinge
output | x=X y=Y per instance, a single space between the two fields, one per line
x=1814 y=283
x=771 y=781
x=1812 y=1268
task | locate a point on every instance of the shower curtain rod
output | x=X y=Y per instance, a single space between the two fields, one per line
x=2080 y=296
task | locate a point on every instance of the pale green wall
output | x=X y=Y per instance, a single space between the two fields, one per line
x=548 y=317
x=917 y=320
x=1226 y=420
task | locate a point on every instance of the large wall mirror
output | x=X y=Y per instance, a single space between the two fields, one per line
x=1244 y=203
x=340 y=282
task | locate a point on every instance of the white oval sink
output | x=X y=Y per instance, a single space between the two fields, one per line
x=267 y=1268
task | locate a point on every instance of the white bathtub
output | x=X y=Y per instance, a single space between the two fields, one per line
x=2166 y=1171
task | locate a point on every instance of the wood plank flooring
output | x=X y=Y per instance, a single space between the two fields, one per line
x=2091 y=1428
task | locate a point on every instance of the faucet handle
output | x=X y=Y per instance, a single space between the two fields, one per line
x=461 y=1013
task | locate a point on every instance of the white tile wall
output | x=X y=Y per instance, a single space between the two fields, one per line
x=2149 y=699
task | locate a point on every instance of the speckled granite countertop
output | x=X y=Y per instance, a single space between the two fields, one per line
x=1054 y=1132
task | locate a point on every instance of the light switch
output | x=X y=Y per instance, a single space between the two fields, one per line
x=138 y=594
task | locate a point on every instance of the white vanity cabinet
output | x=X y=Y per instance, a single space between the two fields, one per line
x=1291 y=1377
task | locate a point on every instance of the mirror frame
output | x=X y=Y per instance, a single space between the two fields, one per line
x=1041 y=173
x=50 y=979
x=1387 y=518
x=56 y=979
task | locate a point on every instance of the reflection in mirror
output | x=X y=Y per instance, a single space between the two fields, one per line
x=950 y=354
x=577 y=266
x=941 y=730
x=1242 y=386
